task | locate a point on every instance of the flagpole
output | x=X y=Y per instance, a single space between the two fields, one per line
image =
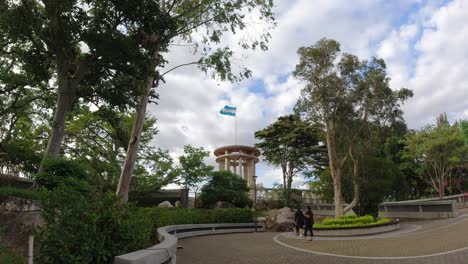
x=235 y=129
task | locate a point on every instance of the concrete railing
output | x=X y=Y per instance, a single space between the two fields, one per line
x=419 y=209
x=165 y=251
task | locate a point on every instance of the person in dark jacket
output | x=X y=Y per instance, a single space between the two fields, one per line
x=308 y=223
x=299 y=220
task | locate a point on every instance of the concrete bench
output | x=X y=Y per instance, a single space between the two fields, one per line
x=165 y=251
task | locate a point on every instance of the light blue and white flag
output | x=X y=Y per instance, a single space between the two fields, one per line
x=228 y=110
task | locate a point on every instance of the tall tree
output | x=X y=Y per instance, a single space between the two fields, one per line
x=80 y=48
x=192 y=169
x=199 y=24
x=437 y=149
x=290 y=144
x=348 y=101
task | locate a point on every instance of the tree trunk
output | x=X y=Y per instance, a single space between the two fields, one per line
x=355 y=187
x=334 y=171
x=338 y=199
x=441 y=188
x=288 y=191
x=132 y=150
x=65 y=100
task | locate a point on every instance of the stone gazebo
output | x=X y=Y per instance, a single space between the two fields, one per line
x=240 y=160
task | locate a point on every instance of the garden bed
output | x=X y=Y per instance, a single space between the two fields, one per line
x=355 y=226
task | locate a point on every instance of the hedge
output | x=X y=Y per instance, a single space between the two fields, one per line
x=178 y=216
x=350 y=221
x=7 y=191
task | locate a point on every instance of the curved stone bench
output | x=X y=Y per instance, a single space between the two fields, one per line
x=165 y=251
x=357 y=231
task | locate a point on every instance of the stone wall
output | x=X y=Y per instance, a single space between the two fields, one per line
x=419 y=209
x=18 y=217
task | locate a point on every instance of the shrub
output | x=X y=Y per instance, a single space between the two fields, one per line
x=227 y=187
x=350 y=221
x=63 y=172
x=89 y=228
x=20 y=193
x=178 y=216
x=9 y=256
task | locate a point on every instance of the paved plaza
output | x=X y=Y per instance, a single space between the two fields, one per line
x=438 y=241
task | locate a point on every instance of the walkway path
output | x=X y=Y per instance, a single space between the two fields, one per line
x=433 y=237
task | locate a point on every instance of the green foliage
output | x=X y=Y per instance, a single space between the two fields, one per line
x=178 y=216
x=381 y=180
x=67 y=173
x=346 y=221
x=6 y=191
x=464 y=127
x=292 y=145
x=437 y=150
x=193 y=170
x=92 y=228
x=227 y=187
x=156 y=169
x=8 y=256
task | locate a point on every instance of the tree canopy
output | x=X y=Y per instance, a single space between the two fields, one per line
x=292 y=145
x=437 y=149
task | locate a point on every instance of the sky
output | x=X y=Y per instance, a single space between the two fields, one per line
x=424 y=44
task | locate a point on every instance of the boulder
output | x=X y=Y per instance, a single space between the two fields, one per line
x=280 y=220
x=221 y=204
x=165 y=204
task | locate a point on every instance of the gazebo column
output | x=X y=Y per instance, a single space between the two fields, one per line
x=226 y=160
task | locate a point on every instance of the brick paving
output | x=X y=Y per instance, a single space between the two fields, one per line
x=259 y=248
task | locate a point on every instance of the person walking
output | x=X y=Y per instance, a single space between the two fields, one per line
x=299 y=220
x=308 y=223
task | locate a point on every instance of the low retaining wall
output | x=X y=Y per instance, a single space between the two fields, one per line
x=357 y=231
x=419 y=210
x=165 y=252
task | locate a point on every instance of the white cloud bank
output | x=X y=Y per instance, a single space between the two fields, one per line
x=423 y=42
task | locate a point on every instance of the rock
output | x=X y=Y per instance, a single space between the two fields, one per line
x=165 y=204
x=280 y=220
x=178 y=204
x=221 y=204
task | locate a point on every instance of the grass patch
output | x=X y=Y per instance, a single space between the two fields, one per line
x=348 y=221
x=7 y=191
x=8 y=256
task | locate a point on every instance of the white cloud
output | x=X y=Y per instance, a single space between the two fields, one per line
x=423 y=43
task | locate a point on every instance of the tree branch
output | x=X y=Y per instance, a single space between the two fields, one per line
x=179 y=66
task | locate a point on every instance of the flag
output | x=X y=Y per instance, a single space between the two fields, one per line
x=228 y=110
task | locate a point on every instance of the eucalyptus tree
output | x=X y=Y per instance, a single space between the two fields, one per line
x=348 y=100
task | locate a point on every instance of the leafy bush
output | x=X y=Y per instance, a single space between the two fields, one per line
x=227 y=187
x=178 y=216
x=20 y=193
x=350 y=221
x=63 y=172
x=89 y=228
x=10 y=257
